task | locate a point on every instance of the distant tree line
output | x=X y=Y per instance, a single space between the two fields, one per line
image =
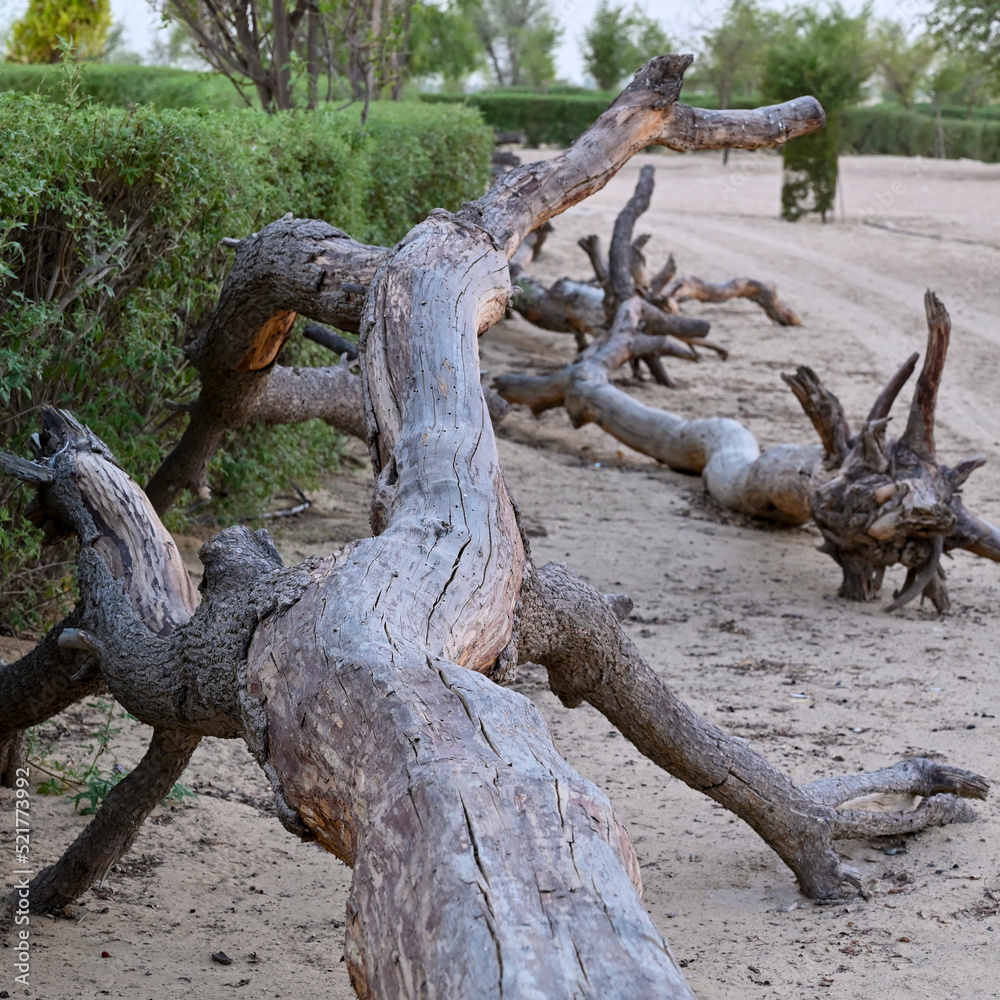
x=282 y=54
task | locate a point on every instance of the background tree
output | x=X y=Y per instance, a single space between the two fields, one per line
x=248 y=43
x=177 y=47
x=444 y=42
x=617 y=42
x=900 y=63
x=957 y=78
x=538 y=62
x=272 y=44
x=35 y=37
x=735 y=50
x=828 y=57
x=970 y=26
x=519 y=37
x=962 y=79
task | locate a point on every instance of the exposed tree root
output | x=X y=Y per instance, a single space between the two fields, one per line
x=877 y=503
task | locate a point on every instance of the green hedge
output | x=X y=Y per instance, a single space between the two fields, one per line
x=552 y=119
x=988 y=112
x=110 y=225
x=121 y=85
x=892 y=130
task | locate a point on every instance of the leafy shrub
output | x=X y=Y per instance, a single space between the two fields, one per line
x=545 y=119
x=989 y=112
x=110 y=259
x=120 y=85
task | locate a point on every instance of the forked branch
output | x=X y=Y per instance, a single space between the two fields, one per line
x=572 y=630
x=588 y=310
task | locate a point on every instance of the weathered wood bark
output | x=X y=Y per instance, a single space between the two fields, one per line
x=13 y=756
x=291 y=266
x=686 y=287
x=366 y=682
x=890 y=502
x=572 y=630
x=877 y=503
x=45 y=681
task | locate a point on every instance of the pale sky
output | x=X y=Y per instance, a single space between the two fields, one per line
x=683 y=20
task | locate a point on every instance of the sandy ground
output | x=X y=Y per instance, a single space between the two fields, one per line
x=742 y=621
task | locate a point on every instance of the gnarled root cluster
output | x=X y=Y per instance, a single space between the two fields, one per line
x=877 y=502
x=882 y=502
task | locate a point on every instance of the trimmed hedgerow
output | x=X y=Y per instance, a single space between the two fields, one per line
x=121 y=85
x=888 y=129
x=110 y=228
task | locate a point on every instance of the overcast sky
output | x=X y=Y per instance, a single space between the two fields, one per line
x=684 y=20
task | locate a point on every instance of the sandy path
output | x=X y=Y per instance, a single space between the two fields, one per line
x=743 y=622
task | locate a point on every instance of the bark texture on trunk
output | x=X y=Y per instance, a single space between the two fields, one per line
x=291 y=266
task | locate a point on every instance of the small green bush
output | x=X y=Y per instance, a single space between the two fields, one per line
x=110 y=228
x=988 y=112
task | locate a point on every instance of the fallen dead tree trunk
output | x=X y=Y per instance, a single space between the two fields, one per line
x=877 y=503
x=369 y=683
x=586 y=309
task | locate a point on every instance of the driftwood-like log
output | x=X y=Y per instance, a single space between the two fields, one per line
x=366 y=682
x=776 y=485
x=572 y=630
x=877 y=503
x=686 y=287
x=588 y=309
